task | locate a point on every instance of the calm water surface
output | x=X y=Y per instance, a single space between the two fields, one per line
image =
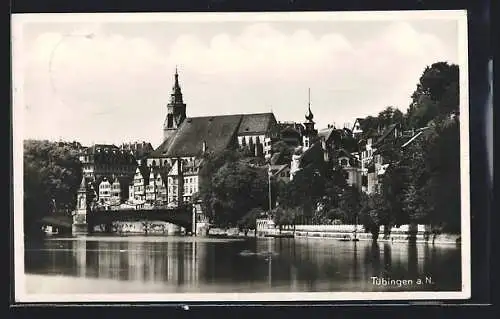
x=140 y=264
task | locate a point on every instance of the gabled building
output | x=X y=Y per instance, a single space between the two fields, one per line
x=351 y=165
x=375 y=156
x=104 y=195
x=140 y=181
x=156 y=190
x=252 y=131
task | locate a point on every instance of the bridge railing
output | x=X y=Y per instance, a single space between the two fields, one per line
x=139 y=207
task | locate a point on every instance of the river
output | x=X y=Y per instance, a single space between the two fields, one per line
x=149 y=264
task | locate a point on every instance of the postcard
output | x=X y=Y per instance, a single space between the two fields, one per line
x=219 y=157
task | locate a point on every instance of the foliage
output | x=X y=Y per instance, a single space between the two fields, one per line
x=349 y=204
x=52 y=173
x=249 y=220
x=285 y=150
x=286 y=216
x=374 y=213
x=229 y=188
x=436 y=95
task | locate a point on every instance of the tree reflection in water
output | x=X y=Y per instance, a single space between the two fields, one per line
x=208 y=265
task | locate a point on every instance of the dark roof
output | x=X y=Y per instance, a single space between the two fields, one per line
x=276 y=169
x=343 y=152
x=326 y=133
x=312 y=155
x=421 y=133
x=104 y=153
x=216 y=131
x=257 y=123
x=139 y=150
x=290 y=130
x=386 y=133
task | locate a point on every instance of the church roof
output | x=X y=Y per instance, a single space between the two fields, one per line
x=216 y=131
x=257 y=123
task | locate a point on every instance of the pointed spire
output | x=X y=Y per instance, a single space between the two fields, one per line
x=176 y=96
x=309 y=115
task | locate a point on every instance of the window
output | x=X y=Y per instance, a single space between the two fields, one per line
x=364 y=180
x=343 y=162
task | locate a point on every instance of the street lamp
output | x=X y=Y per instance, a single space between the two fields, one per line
x=52 y=53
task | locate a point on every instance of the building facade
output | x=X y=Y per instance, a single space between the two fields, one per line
x=101 y=160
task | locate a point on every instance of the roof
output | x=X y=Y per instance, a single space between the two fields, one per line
x=312 y=155
x=418 y=133
x=386 y=133
x=139 y=150
x=216 y=131
x=342 y=152
x=290 y=130
x=257 y=123
x=276 y=169
x=109 y=153
x=325 y=133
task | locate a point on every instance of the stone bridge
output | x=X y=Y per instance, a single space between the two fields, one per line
x=83 y=221
x=182 y=217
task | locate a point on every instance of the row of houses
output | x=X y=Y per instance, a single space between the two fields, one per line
x=135 y=173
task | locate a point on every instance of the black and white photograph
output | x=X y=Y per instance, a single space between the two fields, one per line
x=241 y=156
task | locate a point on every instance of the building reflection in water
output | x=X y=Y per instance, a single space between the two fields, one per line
x=268 y=264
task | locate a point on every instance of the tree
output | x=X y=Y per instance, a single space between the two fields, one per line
x=436 y=95
x=235 y=189
x=390 y=115
x=283 y=148
x=374 y=213
x=444 y=182
x=52 y=173
x=286 y=216
x=306 y=190
x=249 y=220
x=350 y=204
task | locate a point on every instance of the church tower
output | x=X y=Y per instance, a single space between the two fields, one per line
x=310 y=132
x=176 y=110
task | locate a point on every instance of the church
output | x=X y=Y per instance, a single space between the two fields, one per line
x=187 y=139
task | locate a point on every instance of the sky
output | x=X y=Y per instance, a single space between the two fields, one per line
x=97 y=79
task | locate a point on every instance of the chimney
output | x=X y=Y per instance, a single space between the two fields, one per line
x=204 y=147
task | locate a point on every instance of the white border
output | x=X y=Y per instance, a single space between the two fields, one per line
x=18 y=108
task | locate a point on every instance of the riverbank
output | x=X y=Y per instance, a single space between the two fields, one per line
x=316 y=232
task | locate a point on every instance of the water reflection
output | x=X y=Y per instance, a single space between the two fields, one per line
x=195 y=264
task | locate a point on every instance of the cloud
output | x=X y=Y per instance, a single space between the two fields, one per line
x=114 y=87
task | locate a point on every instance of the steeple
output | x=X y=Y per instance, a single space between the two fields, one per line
x=176 y=109
x=309 y=115
x=176 y=96
x=310 y=132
